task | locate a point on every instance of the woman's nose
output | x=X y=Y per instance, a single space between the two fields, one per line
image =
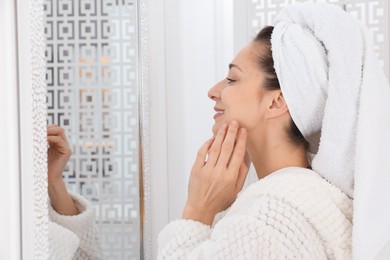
x=215 y=92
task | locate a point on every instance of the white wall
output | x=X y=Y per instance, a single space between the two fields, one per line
x=158 y=126
x=198 y=43
x=191 y=45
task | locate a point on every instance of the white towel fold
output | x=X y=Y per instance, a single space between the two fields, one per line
x=339 y=98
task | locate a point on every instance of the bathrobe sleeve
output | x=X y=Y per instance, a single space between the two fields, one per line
x=80 y=229
x=241 y=236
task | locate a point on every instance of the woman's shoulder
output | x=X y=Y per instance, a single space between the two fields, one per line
x=297 y=200
x=292 y=179
x=299 y=188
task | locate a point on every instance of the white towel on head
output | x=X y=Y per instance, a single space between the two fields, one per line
x=339 y=98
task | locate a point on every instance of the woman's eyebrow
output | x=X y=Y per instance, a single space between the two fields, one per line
x=231 y=65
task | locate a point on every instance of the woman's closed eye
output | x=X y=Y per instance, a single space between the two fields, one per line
x=230 y=80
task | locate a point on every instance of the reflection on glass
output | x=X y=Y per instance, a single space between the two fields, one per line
x=92 y=91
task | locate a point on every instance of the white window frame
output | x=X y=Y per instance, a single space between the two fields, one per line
x=10 y=238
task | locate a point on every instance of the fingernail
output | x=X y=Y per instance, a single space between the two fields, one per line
x=242 y=131
x=234 y=124
x=223 y=127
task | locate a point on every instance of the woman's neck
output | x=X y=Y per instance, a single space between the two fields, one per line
x=269 y=155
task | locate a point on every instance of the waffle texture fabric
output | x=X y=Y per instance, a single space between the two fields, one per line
x=292 y=213
x=74 y=237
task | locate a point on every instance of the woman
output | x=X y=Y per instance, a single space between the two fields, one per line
x=298 y=83
x=72 y=230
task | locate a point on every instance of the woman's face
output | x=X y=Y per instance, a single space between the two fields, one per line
x=240 y=96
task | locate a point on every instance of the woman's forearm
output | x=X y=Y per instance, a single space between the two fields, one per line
x=61 y=200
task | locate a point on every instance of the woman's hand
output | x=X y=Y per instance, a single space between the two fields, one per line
x=215 y=183
x=58 y=155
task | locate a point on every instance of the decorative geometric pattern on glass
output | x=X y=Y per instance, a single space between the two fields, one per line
x=373 y=13
x=92 y=91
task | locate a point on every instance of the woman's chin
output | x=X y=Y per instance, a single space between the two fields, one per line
x=216 y=127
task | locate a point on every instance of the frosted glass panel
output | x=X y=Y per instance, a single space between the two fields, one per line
x=92 y=91
x=374 y=13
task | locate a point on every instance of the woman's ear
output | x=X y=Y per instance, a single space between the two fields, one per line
x=277 y=105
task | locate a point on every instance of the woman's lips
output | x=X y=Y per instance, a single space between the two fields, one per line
x=219 y=113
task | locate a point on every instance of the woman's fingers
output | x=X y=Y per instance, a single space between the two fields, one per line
x=228 y=144
x=215 y=148
x=55 y=140
x=58 y=144
x=56 y=130
x=238 y=152
x=202 y=153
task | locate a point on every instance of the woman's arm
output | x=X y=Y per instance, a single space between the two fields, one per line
x=60 y=199
x=58 y=155
x=266 y=235
x=83 y=226
x=73 y=214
